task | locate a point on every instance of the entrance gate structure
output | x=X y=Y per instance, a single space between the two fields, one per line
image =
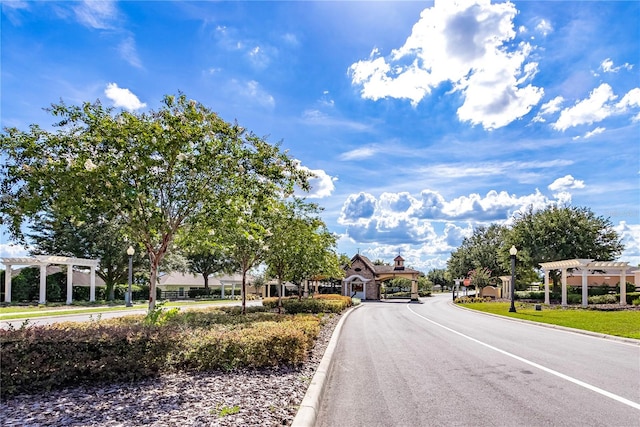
x=43 y=261
x=584 y=266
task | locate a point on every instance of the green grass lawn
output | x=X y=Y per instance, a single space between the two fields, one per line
x=623 y=323
x=33 y=311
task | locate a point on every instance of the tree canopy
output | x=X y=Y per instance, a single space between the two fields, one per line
x=481 y=249
x=155 y=172
x=552 y=234
x=558 y=233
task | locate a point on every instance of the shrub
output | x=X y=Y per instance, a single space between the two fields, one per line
x=604 y=299
x=631 y=297
x=468 y=300
x=324 y=303
x=124 y=349
x=44 y=358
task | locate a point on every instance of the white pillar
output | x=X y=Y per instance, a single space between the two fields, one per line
x=92 y=284
x=233 y=290
x=43 y=284
x=623 y=287
x=69 y=284
x=547 y=299
x=7 y=283
x=564 y=287
x=221 y=290
x=585 y=288
x=305 y=292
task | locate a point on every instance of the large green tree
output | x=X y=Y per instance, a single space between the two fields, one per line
x=481 y=249
x=156 y=171
x=301 y=247
x=559 y=233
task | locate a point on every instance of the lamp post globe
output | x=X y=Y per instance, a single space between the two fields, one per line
x=512 y=252
x=130 y=252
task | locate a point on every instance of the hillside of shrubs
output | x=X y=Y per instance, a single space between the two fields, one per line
x=41 y=358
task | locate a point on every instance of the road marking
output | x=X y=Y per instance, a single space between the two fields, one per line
x=538 y=366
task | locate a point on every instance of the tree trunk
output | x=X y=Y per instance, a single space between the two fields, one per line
x=279 y=290
x=244 y=291
x=206 y=280
x=153 y=279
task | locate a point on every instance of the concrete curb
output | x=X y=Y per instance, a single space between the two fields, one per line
x=308 y=412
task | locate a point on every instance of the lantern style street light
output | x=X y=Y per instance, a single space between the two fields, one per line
x=513 y=251
x=130 y=252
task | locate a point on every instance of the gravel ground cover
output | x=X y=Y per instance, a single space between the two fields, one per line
x=242 y=398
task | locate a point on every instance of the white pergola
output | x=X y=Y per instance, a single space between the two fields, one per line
x=42 y=261
x=584 y=265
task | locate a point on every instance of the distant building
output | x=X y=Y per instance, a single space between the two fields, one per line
x=363 y=279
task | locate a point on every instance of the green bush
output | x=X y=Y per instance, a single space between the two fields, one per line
x=468 y=300
x=632 y=297
x=260 y=345
x=324 y=303
x=604 y=299
x=128 y=348
x=45 y=358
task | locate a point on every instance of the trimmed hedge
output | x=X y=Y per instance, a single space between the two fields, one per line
x=48 y=357
x=41 y=358
x=324 y=303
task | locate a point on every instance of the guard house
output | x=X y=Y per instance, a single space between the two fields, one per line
x=363 y=278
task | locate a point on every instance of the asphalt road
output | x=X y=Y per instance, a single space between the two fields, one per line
x=433 y=364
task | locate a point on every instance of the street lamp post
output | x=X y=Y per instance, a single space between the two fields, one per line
x=513 y=251
x=130 y=252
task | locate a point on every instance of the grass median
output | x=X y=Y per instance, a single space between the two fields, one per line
x=621 y=323
x=47 y=310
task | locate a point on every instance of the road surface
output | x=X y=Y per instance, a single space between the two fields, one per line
x=434 y=364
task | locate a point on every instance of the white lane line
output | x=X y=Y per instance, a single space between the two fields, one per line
x=536 y=365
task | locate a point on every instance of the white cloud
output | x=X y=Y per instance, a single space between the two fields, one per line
x=128 y=51
x=608 y=67
x=254 y=91
x=358 y=208
x=548 y=108
x=630 y=100
x=462 y=43
x=12 y=251
x=96 y=14
x=360 y=153
x=321 y=183
x=594 y=132
x=630 y=235
x=565 y=183
x=395 y=218
x=544 y=27
x=122 y=97
x=595 y=108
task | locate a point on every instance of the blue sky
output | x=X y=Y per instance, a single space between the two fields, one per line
x=421 y=120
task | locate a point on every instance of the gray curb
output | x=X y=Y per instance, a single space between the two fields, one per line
x=308 y=412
